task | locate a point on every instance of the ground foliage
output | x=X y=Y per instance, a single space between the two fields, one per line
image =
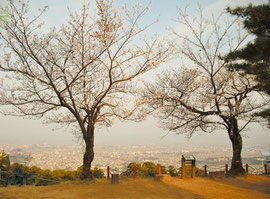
x=19 y=174
x=150 y=169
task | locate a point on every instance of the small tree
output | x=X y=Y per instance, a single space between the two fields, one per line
x=4 y=167
x=206 y=96
x=81 y=74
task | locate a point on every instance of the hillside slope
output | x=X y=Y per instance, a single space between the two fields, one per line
x=245 y=187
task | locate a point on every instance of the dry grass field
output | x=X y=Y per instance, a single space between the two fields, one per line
x=248 y=187
x=257 y=187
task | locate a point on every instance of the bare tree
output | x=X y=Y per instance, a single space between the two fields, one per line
x=206 y=96
x=81 y=74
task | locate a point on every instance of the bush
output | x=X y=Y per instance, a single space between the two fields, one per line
x=96 y=172
x=172 y=171
x=61 y=174
x=46 y=178
x=199 y=172
x=147 y=169
x=34 y=173
x=4 y=166
x=130 y=168
x=19 y=173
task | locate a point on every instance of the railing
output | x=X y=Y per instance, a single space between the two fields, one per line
x=256 y=170
x=205 y=170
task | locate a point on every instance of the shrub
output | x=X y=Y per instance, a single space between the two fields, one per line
x=172 y=171
x=130 y=168
x=96 y=172
x=147 y=169
x=19 y=173
x=61 y=174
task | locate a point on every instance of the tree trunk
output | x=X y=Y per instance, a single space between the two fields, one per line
x=88 y=155
x=236 y=139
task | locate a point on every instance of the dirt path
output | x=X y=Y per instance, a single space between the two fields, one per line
x=126 y=189
x=249 y=187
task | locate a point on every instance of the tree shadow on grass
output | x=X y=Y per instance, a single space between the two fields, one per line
x=127 y=188
x=257 y=183
x=178 y=192
x=149 y=188
x=4 y=196
x=145 y=188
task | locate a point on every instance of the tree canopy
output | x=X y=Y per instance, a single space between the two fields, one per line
x=80 y=74
x=203 y=95
x=254 y=58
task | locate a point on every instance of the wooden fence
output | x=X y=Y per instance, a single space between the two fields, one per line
x=224 y=170
x=217 y=171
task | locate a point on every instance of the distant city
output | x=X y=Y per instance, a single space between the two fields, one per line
x=69 y=157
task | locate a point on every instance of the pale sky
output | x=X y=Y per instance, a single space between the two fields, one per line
x=19 y=131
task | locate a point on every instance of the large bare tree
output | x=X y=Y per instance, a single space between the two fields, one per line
x=82 y=73
x=204 y=95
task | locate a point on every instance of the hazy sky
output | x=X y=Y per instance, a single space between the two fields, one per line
x=19 y=131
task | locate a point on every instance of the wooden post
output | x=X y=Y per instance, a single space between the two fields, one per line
x=108 y=172
x=134 y=172
x=205 y=170
x=265 y=168
x=226 y=168
x=159 y=170
x=193 y=166
x=183 y=168
x=246 y=168
x=0 y=178
x=115 y=179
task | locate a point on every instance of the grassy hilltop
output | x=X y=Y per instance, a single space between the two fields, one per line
x=245 y=187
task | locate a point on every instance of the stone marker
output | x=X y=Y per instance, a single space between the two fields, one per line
x=114 y=178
